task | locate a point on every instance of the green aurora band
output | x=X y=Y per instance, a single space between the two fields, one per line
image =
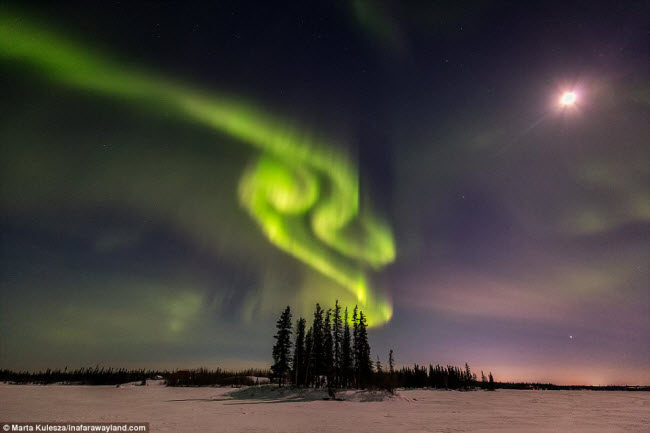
x=302 y=191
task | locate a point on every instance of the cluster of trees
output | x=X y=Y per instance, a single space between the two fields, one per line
x=553 y=387
x=82 y=376
x=329 y=352
x=449 y=377
x=332 y=353
x=115 y=376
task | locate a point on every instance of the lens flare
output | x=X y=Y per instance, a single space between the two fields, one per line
x=303 y=191
x=568 y=99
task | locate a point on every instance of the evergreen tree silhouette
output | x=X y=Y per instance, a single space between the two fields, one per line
x=318 y=350
x=346 y=353
x=391 y=381
x=309 y=357
x=364 y=361
x=356 y=351
x=282 y=347
x=328 y=349
x=467 y=377
x=491 y=382
x=299 y=361
x=337 y=335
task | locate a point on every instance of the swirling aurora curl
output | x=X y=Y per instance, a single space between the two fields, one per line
x=302 y=191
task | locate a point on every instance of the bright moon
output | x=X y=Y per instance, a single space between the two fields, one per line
x=568 y=98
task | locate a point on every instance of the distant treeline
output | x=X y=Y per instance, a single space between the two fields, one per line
x=335 y=352
x=405 y=377
x=550 y=386
x=81 y=376
x=112 y=376
x=448 y=377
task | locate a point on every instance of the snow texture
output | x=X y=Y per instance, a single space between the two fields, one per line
x=268 y=409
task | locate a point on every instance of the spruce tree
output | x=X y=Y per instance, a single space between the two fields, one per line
x=337 y=336
x=364 y=362
x=328 y=349
x=299 y=353
x=491 y=382
x=282 y=347
x=309 y=357
x=318 y=351
x=391 y=383
x=467 y=377
x=346 y=353
x=356 y=351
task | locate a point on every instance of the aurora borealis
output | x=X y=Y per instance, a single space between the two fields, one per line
x=278 y=190
x=173 y=176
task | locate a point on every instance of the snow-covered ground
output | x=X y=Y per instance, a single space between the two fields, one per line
x=260 y=409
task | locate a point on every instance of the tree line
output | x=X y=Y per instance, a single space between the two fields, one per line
x=81 y=376
x=334 y=352
x=406 y=377
x=443 y=377
x=116 y=376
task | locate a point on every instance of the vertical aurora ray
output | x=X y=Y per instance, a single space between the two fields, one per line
x=302 y=191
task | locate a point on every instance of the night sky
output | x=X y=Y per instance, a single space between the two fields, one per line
x=173 y=175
